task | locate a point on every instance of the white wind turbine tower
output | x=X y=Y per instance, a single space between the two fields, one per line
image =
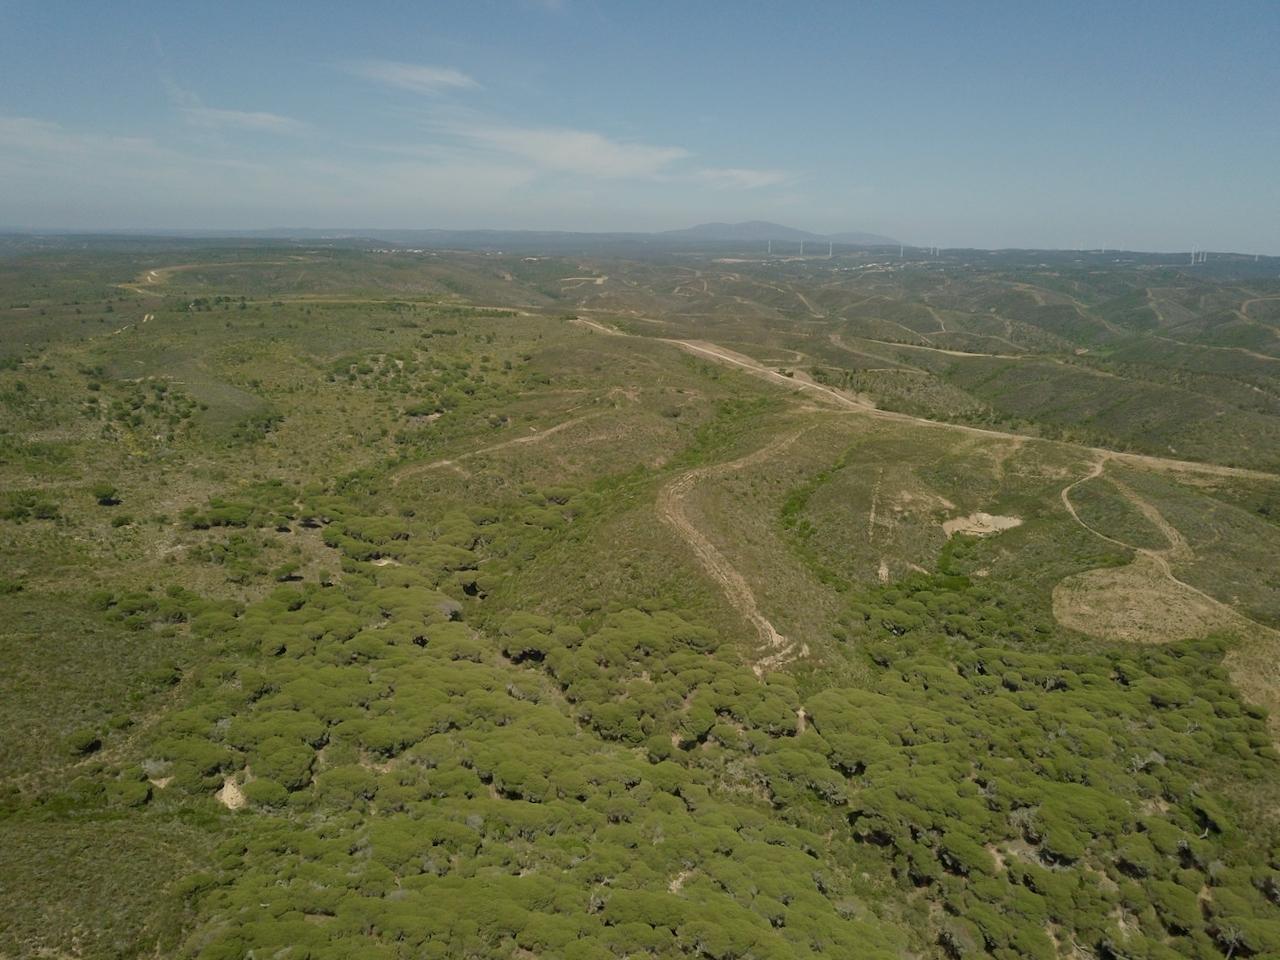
x=802 y=248
x=828 y=249
x=770 y=242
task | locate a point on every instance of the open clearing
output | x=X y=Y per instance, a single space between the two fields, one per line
x=1137 y=603
x=980 y=524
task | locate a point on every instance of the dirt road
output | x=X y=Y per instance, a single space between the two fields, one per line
x=671 y=510
x=1129 y=603
x=416 y=468
x=843 y=400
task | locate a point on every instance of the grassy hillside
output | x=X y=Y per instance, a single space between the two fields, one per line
x=381 y=604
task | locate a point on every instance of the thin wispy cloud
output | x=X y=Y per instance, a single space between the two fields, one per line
x=572 y=151
x=215 y=184
x=586 y=153
x=257 y=120
x=46 y=139
x=193 y=110
x=414 y=77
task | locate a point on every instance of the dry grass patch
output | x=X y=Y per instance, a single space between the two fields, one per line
x=1136 y=603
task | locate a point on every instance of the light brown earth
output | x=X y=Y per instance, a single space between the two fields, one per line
x=980 y=524
x=1136 y=603
x=230 y=796
x=1145 y=602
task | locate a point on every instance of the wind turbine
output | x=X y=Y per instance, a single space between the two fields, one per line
x=802 y=248
x=828 y=249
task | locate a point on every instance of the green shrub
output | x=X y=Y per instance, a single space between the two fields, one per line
x=264 y=792
x=83 y=741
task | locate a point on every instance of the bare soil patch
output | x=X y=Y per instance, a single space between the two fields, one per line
x=231 y=796
x=1136 y=603
x=980 y=524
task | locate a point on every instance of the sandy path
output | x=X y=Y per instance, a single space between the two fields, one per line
x=814 y=311
x=1158 y=463
x=1166 y=614
x=1244 y=307
x=161 y=274
x=1212 y=346
x=724 y=355
x=1065 y=495
x=836 y=339
x=599 y=326
x=937 y=318
x=785 y=291
x=959 y=353
x=1253 y=666
x=538 y=437
x=1178 y=550
x=843 y=400
x=1036 y=294
x=671 y=510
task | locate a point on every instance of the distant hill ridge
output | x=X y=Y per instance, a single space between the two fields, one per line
x=762 y=230
x=751 y=231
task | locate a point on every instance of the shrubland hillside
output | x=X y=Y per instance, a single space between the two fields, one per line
x=373 y=603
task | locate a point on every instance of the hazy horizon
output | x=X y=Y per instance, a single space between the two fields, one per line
x=340 y=232
x=1005 y=127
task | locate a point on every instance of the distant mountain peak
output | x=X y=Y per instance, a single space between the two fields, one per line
x=748 y=230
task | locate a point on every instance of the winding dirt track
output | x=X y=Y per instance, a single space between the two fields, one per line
x=162 y=274
x=957 y=353
x=1244 y=307
x=1253 y=666
x=1178 y=549
x=671 y=509
x=1213 y=346
x=416 y=468
x=843 y=400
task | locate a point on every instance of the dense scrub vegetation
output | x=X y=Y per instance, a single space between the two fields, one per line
x=1042 y=795
x=350 y=630
x=665 y=801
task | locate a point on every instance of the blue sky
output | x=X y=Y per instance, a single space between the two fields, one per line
x=1140 y=125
